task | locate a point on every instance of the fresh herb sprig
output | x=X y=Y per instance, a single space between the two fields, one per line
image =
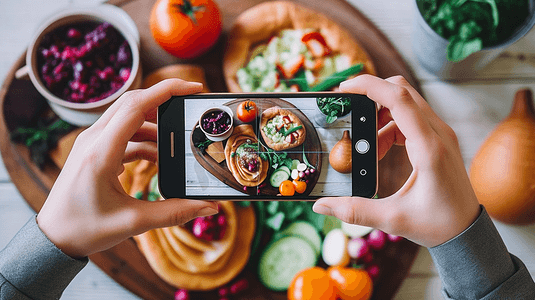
x=41 y=139
x=203 y=145
x=275 y=159
x=334 y=107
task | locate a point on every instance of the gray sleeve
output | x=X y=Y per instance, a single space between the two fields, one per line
x=32 y=267
x=477 y=265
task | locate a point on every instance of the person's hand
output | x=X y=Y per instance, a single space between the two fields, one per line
x=437 y=202
x=87 y=209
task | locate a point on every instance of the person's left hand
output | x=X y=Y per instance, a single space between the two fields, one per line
x=87 y=209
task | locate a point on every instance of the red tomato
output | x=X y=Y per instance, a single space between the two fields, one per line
x=247 y=111
x=312 y=284
x=185 y=28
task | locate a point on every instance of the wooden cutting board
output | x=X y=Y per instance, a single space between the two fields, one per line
x=21 y=104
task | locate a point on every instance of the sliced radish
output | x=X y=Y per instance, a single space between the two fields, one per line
x=355 y=231
x=334 y=250
x=301 y=167
x=295 y=174
x=357 y=248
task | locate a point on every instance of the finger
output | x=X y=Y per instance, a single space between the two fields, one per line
x=387 y=137
x=146 y=150
x=127 y=120
x=147 y=132
x=383 y=117
x=407 y=114
x=353 y=210
x=435 y=121
x=172 y=212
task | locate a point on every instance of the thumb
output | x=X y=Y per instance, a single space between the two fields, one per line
x=173 y=212
x=353 y=210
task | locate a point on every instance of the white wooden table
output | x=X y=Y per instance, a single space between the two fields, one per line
x=472 y=108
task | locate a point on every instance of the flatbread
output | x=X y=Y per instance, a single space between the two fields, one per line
x=240 y=135
x=151 y=247
x=271 y=113
x=258 y=24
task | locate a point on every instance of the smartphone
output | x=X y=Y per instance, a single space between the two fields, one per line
x=224 y=146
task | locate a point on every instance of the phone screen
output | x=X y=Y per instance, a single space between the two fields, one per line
x=270 y=147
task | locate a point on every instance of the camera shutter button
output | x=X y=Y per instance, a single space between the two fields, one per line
x=362 y=146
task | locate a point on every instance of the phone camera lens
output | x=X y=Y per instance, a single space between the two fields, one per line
x=363 y=172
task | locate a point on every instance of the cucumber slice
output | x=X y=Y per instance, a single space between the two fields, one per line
x=283 y=259
x=277 y=177
x=305 y=231
x=285 y=169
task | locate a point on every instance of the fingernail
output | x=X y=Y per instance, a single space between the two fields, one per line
x=207 y=211
x=197 y=84
x=321 y=209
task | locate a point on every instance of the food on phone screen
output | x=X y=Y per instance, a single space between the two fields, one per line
x=185 y=29
x=281 y=47
x=247 y=111
x=300 y=186
x=243 y=159
x=286 y=188
x=216 y=151
x=340 y=157
x=281 y=129
x=334 y=107
x=216 y=121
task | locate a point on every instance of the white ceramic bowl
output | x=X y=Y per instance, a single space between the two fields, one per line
x=221 y=136
x=84 y=114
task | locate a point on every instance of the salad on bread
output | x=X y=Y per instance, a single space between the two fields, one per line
x=295 y=60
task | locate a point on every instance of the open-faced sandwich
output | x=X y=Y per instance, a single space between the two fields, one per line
x=281 y=129
x=279 y=46
x=243 y=159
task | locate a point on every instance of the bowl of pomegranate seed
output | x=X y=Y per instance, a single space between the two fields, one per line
x=82 y=59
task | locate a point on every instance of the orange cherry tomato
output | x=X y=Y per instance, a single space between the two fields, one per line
x=185 y=28
x=287 y=188
x=312 y=283
x=300 y=186
x=247 y=111
x=351 y=283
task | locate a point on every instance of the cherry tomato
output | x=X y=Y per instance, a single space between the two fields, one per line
x=351 y=283
x=312 y=283
x=185 y=28
x=300 y=186
x=247 y=111
x=287 y=188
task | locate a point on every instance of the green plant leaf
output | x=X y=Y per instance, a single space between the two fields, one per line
x=494 y=8
x=460 y=49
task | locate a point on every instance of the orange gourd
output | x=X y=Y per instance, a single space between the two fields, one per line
x=503 y=170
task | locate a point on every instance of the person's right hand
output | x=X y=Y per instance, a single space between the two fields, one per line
x=437 y=202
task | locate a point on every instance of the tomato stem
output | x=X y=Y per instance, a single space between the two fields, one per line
x=189 y=9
